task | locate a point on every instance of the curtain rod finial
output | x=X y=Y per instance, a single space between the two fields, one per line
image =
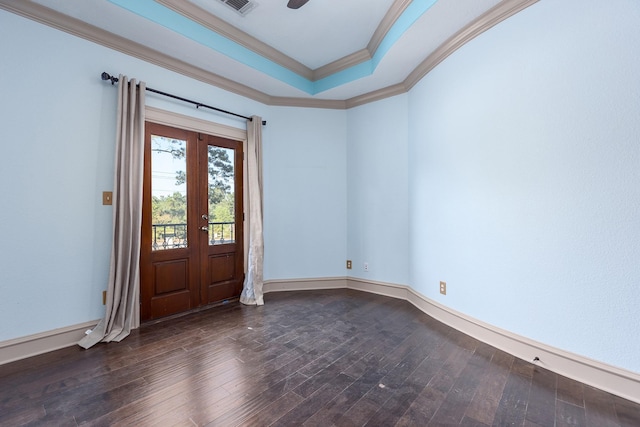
x=107 y=76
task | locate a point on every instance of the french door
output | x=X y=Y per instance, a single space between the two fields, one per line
x=192 y=233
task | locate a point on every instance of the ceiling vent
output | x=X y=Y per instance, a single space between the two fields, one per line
x=241 y=6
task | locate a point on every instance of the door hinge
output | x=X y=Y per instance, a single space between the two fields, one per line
x=200 y=136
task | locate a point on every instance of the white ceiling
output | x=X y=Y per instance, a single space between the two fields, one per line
x=320 y=32
x=317 y=34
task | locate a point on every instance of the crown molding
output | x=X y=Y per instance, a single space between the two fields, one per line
x=54 y=19
x=341 y=64
x=376 y=95
x=284 y=101
x=493 y=16
x=395 y=11
x=212 y=22
x=227 y=30
x=76 y=27
x=392 y=15
x=489 y=19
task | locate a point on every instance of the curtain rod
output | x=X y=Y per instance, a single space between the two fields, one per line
x=107 y=76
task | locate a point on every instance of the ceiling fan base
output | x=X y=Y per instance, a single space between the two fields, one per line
x=296 y=4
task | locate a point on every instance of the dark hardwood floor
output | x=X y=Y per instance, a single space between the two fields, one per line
x=315 y=358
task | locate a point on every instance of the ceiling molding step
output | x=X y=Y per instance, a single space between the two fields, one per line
x=341 y=64
x=216 y=80
x=57 y=20
x=376 y=95
x=495 y=15
x=395 y=11
x=283 y=101
x=227 y=30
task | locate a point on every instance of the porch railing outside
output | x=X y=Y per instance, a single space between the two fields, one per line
x=174 y=236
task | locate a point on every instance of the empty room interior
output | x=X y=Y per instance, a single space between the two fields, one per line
x=450 y=212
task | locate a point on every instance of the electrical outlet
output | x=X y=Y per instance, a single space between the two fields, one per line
x=443 y=288
x=348 y=264
x=365 y=266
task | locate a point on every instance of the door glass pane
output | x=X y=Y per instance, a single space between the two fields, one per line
x=168 y=193
x=222 y=227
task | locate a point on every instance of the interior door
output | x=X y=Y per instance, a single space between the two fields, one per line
x=192 y=232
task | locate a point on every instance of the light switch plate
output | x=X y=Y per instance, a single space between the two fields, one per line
x=107 y=197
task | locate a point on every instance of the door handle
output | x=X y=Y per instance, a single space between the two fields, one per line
x=204 y=228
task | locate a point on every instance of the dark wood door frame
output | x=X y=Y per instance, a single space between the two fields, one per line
x=199 y=273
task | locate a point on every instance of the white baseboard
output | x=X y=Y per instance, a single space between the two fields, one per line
x=43 y=342
x=609 y=378
x=304 y=284
x=618 y=381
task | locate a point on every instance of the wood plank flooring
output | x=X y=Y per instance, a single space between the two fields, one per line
x=314 y=358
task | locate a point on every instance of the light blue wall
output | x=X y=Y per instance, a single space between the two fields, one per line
x=56 y=161
x=378 y=220
x=58 y=129
x=525 y=178
x=514 y=164
x=305 y=194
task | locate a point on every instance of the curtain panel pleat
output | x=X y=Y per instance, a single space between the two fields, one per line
x=122 y=305
x=252 y=291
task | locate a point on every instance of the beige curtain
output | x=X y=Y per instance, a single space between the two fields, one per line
x=122 y=311
x=252 y=290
